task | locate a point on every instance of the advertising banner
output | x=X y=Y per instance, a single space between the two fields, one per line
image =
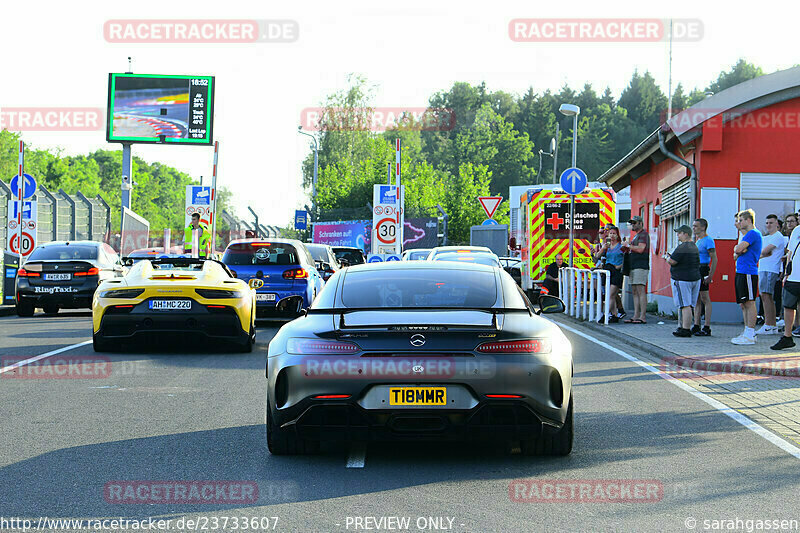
x=353 y=233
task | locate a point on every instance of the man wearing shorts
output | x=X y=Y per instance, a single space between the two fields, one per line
x=708 y=265
x=791 y=291
x=746 y=255
x=684 y=270
x=639 y=250
x=769 y=271
x=791 y=222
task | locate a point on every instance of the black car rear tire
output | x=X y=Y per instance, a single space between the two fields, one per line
x=99 y=344
x=558 y=443
x=246 y=346
x=50 y=309
x=285 y=441
x=25 y=308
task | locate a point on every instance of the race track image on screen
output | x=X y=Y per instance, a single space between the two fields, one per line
x=153 y=108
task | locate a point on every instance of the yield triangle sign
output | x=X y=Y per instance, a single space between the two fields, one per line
x=490 y=204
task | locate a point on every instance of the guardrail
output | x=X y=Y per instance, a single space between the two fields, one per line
x=586 y=292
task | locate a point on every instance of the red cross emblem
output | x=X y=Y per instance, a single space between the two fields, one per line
x=555 y=221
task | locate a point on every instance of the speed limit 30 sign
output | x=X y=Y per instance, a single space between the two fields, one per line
x=386 y=230
x=28 y=243
x=28 y=225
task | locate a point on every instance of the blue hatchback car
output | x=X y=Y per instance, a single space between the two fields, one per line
x=291 y=280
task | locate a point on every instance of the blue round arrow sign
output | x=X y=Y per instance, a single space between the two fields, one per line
x=573 y=180
x=29 y=188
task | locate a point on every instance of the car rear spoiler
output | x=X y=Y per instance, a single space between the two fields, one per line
x=494 y=311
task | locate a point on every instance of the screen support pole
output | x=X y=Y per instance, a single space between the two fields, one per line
x=127 y=176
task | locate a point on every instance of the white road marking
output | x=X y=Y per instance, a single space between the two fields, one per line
x=358 y=454
x=716 y=404
x=38 y=357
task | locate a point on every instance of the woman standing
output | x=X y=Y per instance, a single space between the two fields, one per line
x=614 y=257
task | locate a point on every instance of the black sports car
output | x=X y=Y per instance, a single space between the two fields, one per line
x=421 y=350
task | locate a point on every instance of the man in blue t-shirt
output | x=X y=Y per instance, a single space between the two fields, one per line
x=746 y=254
x=708 y=265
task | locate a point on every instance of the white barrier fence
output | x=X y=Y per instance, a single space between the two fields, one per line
x=586 y=292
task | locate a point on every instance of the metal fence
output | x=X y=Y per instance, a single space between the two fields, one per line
x=62 y=216
x=586 y=292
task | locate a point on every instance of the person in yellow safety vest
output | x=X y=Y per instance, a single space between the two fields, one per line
x=205 y=237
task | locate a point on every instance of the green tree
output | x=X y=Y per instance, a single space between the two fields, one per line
x=644 y=101
x=493 y=142
x=740 y=72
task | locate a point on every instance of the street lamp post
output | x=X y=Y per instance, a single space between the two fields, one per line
x=573 y=111
x=314 y=180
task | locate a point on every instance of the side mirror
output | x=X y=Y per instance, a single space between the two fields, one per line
x=550 y=304
x=255 y=283
x=344 y=262
x=326 y=267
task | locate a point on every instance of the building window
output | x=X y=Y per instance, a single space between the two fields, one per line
x=673 y=223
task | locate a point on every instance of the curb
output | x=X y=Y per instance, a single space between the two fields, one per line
x=682 y=362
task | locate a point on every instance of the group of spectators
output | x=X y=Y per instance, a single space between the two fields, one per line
x=625 y=258
x=763 y=267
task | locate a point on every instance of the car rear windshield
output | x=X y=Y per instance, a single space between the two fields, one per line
x=354 y=257
x=417 y=256
x=481 y=259
x=419 y=288
x=261 y=253
x=318 y=253
x=63 y=253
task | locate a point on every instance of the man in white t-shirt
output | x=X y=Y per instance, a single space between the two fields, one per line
x=769 y=271
x=791 y=290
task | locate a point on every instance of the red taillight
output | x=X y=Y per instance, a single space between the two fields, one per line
x=216 y=306
x=503 y=396
x=523 y=346
x=27 y=273
x=331 y=396
x=123 y=307
x=91 y=272
x=320 y=347
x=296 y=273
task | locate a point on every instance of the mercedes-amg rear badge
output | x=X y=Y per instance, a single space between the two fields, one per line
x=417 y=340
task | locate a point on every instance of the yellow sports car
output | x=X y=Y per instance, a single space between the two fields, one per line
x=175 y=295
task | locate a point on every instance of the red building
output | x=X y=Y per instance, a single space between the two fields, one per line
x=744 y=144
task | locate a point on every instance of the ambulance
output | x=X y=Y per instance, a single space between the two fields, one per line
x=544 y=220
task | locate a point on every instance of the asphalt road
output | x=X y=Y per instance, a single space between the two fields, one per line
x=165 y=413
